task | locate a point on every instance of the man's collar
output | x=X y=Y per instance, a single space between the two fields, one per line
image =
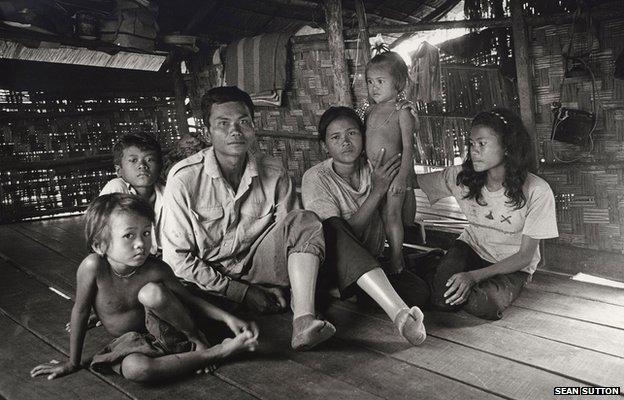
x=211 y=165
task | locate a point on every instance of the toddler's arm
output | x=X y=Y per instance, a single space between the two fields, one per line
x=85 y=294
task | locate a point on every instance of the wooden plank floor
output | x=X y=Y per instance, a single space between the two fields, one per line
x=558 y=333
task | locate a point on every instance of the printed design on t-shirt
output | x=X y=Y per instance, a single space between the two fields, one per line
x=506 y=219
x=476 y=224
x=490 y=215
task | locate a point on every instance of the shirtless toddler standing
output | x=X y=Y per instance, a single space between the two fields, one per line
x=391 y=129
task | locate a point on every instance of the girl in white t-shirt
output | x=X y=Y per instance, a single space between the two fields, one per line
x=509 y=210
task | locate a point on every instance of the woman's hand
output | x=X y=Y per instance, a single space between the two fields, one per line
x=407 y=105
x=384 y=173
x=459 y=286
x=53 y=369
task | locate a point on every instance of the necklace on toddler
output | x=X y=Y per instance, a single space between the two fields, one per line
x=128 y=275
x=384 y=122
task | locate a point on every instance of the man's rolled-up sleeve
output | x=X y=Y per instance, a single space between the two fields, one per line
x=286 y=197
x=181 y=246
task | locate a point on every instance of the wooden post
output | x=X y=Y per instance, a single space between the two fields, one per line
x=180 y=97
x=333 y=16
x=523 y=73
x=525 y=92
x=363 y=28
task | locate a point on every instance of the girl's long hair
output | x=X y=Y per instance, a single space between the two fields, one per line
x=516 y=142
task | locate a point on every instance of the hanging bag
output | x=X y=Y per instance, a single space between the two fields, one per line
x=572 y=125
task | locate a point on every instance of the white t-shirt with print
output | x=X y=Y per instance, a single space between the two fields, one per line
x=495 y=230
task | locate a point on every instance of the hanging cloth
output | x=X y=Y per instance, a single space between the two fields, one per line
x=257 y=65
x=425 y=73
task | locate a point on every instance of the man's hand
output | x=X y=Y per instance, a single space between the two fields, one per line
x=459 y=286
x=53 y=369
x=265 y=300
x=384 y=173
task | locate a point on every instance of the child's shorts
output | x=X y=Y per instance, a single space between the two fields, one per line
x=160 y=339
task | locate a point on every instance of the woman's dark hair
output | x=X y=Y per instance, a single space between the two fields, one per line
x=332 y=114
x=516 y=143
x=224 y=94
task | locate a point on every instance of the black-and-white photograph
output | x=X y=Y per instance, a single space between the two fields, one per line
x=311 y=199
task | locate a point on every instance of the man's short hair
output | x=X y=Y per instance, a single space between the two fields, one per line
x=224 y=94
x=142 y=140
x=97 y=217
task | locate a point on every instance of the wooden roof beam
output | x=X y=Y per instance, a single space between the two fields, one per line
x=421 y=26
x=430 y=26
x=265 y=11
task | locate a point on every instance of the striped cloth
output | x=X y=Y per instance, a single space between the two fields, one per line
x=257 y=65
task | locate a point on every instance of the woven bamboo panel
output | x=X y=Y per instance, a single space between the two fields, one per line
x=44 y=190
x=440 y=139
x=51 y=149
x=39 y=127
x=297 y=155
x=589 y=193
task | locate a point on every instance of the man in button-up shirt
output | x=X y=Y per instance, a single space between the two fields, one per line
x=231 y=224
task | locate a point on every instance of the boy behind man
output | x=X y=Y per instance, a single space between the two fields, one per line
x=138 y=161
x=140 y=301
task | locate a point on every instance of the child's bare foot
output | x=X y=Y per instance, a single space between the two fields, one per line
x=409 y=322
x=244 y=341
x=309 y=332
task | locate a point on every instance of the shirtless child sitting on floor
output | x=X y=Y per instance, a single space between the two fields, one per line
x=140 y=302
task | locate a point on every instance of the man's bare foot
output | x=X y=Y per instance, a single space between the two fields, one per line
x=309 y=332
x=409 y=322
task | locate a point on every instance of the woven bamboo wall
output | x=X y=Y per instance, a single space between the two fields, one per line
x=55 y=153
x=590 y=192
